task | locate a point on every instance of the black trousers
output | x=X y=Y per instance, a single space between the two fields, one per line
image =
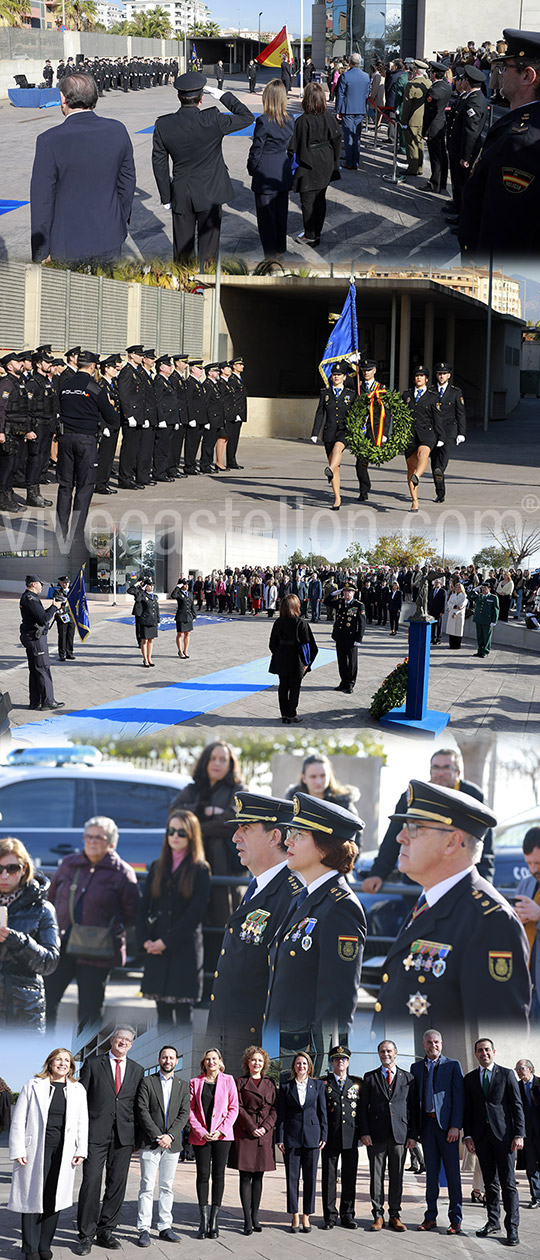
x=177 y=442
x=207 y=448
x=381 y=1155
x=347 y=659
x=349 y=1168
x=193 y=437
x=439 y=162
x=289 y=693
x=394 y=619
x=136 y=455
x=114 y=1158
x=106 y=454
x=211 y=1159
x=302 y=1159
x=232 y=445
x=162 y=451
x=38 y=1228
x=91 y=983
x=40 y=680
x=440 y=459
x=498 y=1166
x=77 y=462
x=313 y=205
x=250 y=1196
x=208 y=226
x=66 y=637
x=272 y=210
x=362 y=472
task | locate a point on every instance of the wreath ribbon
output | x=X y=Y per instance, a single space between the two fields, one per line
x=377 y=429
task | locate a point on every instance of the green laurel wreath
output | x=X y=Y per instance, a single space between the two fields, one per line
x=392 y=692
x=402 y=428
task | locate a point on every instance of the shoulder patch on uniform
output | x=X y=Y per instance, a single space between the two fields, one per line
x=500 y=964
x=338 y=893
x=5 y=393
x=488 y=904
x=294 y=884
x=348 y=948
x=516 y=181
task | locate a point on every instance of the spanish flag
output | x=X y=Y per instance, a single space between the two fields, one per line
x=276 y=52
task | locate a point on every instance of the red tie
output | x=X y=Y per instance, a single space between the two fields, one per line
x=118 y=1076
x=389 y=1076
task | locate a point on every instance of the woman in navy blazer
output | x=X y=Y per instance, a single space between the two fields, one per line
x=302 y=1130
x=270 y=169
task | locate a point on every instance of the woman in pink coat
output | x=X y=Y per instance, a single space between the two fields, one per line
x=213 y=1111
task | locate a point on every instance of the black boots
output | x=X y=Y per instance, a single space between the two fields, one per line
x=213 y=1232
x=34 y=498
x=202 y=1231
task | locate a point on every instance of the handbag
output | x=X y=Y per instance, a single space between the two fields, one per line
x=86 y=941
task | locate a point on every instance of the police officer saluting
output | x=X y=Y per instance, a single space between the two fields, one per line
x=84 y=408
x=347 y=633
x=15 y=428
x=35 y=622
x=343 y=1111
x=449 y=422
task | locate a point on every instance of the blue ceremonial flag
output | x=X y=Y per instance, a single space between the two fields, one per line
x=78 y=607
x=343 y=340
x=193 y=52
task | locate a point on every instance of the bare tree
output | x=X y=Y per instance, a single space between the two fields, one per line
x=517 y=543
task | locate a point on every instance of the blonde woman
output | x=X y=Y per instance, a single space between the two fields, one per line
x=270 y=169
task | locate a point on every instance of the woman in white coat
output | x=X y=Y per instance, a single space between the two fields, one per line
x=48 y=1138
x=455 y=614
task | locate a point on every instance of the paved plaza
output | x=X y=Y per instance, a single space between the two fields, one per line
x=368 y=217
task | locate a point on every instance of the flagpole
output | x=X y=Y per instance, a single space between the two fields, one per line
x=301 y=47
x=114 y=564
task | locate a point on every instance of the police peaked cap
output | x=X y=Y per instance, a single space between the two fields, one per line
x=192 y=81
x=251 y=807
x=209 y=367
x=349 y=586
x=86 y=357
x=149 y=354
x=473 y=74
x=33 y=577
x=421 y=370
x=195 y=363
x=12 y=354
x=437 y=65
x=443 y=367
x=224 y=363
x=164 y=358
x=421 y=65
x=366 y=364
x=339 y=1052
x=332 y=821
x=444 y=807
x=341 y=366
x=521 y=44
x=41 y=356
x=182 y=356
x=69 y=353
x=43 y=349
x=237 y=358
x=134 y=349
x=110 y=361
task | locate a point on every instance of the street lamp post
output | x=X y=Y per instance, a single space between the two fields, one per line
x=260 y=16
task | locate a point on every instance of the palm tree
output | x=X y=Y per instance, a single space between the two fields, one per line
x=80 y=15
x=154 y=24
x=13 y=12
x=203 y=28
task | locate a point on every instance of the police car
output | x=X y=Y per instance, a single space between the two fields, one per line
x=47 y=795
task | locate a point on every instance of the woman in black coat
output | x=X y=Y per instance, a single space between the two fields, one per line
x=169 y=921
x=29 y=939
x=270 y=169
x=253 y=1152
x=216 y=780
x=394 y=607
x=147 y=618
x=316 y=144
x=302 y=1130
x=184 y=617
x=293 y=651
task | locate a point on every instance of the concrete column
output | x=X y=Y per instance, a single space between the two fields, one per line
x=32 y=305
x=133 y=334
x=404 y=341
x=450 y=339
x=429 y=329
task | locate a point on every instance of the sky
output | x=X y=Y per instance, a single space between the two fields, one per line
x=275 y=14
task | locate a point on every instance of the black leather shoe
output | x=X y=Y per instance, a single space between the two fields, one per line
x=56 y=704
x=487 y=1229
x=328 y=1225
x=348 y=1223
x=84 y=1247
x=362 y=498
x=109 y=1241
x=105 y=490
x=512 y=1239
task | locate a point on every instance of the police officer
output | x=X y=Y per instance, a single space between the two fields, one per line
x=316 y=956
x=460 y=961
x=84 y=409
x=241 y=975
x=347 y=633
x=421 y=401
x=35 y=622
x=434 y=130
x=449 y=422
x=178 y=379
x=146 y=449
x=15 y=428
x=466 y=138
x=378 y=424
x=43 y=404
x=131 y=391
x=71 y=357
x=334 y=404
x=214 y=428
x=66 y=629
x=228 y=395
x=167 y=417
x=197 y=415
x=501 y=203
x=47 y=73
x=343 y=1111
x=485 y=615
x=240 y=403
x=109 y=435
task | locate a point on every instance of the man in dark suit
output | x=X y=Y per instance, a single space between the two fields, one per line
x=494 y=1129
x=445 y=770
x=111 y=1082
x=192 y=139
x=347 y=633
x=83 y=181
x=162 y=1112
x=241 y=976
x=529 y=1089
x=461 y=956
x=388 y=1107
x=440 y=1114
x=434 y=126
x=450 y=421
x=343 y=1112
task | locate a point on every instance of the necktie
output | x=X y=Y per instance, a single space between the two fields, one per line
x=302 y=897
x=485 y=1082
x=250 y=890
x=417 y=394
x=419 y=908
x=441 y=391
x=118 y=1076
x=389 y=1076
x=429 y=1104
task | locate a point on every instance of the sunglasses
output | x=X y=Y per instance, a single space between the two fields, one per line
x=176 y=831
x=11 y=868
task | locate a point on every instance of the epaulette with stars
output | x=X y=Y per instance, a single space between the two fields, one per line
x=487 y=904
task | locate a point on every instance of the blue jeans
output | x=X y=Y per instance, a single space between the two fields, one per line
x=352 y=130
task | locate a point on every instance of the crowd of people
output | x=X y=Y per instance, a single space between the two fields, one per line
x=126 y=74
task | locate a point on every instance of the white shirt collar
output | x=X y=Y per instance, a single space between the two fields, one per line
x=434 y=894
x=267 y=876
x=321 y=880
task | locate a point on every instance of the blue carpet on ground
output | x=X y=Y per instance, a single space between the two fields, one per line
x=152 y=711
x=247 y=131
x=168 y=623
x=6 y=206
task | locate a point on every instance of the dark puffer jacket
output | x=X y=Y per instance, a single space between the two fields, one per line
x=107 y=893
x=177 y=921
x=30 y=952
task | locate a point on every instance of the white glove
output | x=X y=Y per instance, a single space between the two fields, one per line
x=166 y=206
x=440 y=443
x=177 y=426
x=459 y=439
x=238 y=419
x=383 y=440
x=358 y=645
x=206 y=426
x=192 y=424
x=132 y=423
x=212 y=91
x=146 y=424
x=106 y=433
x=162 y=424
x=313 y=439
